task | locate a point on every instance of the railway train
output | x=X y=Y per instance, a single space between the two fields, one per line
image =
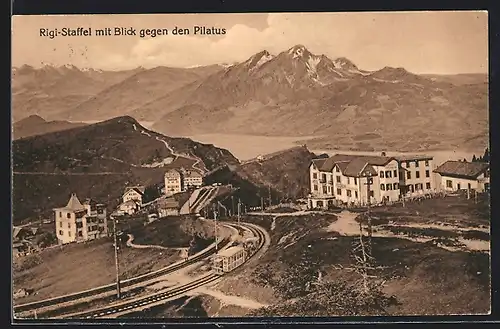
x=229 y=259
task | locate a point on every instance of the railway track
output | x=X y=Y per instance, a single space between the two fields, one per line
x=147 y=300
x=111 y=287
x=175 y=292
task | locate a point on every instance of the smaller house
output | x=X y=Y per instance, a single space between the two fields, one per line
x=135 y=193
x=23 y=233
x=460 y=175
x=168 y=207
x=129 y=207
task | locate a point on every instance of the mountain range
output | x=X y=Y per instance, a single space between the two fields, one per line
x=294 y=93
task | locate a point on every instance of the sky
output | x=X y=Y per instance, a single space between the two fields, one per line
x=421 y=42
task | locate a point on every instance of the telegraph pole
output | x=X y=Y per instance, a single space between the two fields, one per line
x=117 y=267
x=215 y=224
x=270 y=200
x=368 y=184
x=239 y=209
x=232 y=205
x=262 y=204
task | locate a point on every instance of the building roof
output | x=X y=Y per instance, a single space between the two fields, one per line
x=356 y=167
x=230 y=251
x=329 y=164
x=73 y=204
x=168 y=203
x=138 y=189
x=193 y=174
x=318 y=162
x=15 y=231
x=173 y=171
x=413 y=157
x=462 y=169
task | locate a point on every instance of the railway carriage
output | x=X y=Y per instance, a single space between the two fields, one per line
x=229 y=259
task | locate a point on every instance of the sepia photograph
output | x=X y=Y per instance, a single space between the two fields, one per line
x=250 y=165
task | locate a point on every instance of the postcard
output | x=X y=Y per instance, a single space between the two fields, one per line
x=250 y=165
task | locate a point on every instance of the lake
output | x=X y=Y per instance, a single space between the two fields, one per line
x=246 y=147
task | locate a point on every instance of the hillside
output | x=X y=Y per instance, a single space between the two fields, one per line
x=98 y=161
x=280 y=176
x=36 y=125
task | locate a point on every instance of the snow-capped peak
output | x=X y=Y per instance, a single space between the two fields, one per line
x=259 y=59
x=297 y=51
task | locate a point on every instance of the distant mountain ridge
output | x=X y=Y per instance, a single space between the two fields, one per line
x=293 y=93
x=36 y=125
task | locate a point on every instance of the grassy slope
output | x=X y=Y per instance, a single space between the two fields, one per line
x=91 y=149
x=57 y=271
x=424 y=278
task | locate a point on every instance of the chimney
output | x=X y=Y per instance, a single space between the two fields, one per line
x=383 y=154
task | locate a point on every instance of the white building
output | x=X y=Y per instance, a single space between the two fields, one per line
x=459 y=175
x=344 y=179
x=173 y=182
x=192 y=178
x=129 y=207
x=416 y=174
x=80 y=222
x=134 y=193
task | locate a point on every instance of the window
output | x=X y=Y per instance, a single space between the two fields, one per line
x=389 y=187
x=382 y=187
x=408 y=174
x=61 y=232
x=349 y=193
x=427 y=173
x=69 y=233
x=370 y=180
x=469 y=186
x=68 y=215
x=80 y=233
x=339 y=191
x=356 y=194
x=324 y=190
x=381 y=174
x=395 y=186
x=407 y=164
x=417 y=174
x=79 y=225
x=329 y=189
x=355 y=181
x=395 y=173
x=323 y=177
x=315 y=175
x=427 y=163
x=60 y=224
x=337 y=169
x=315 y=187
x=348 y=181
x=388 y=174
x=372 y=193
x=60 y=214
x=338 y=179
x=416 y=164
x=448 y=183
x=428 y=185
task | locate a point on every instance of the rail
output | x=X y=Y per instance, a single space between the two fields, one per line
x=125 y=283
